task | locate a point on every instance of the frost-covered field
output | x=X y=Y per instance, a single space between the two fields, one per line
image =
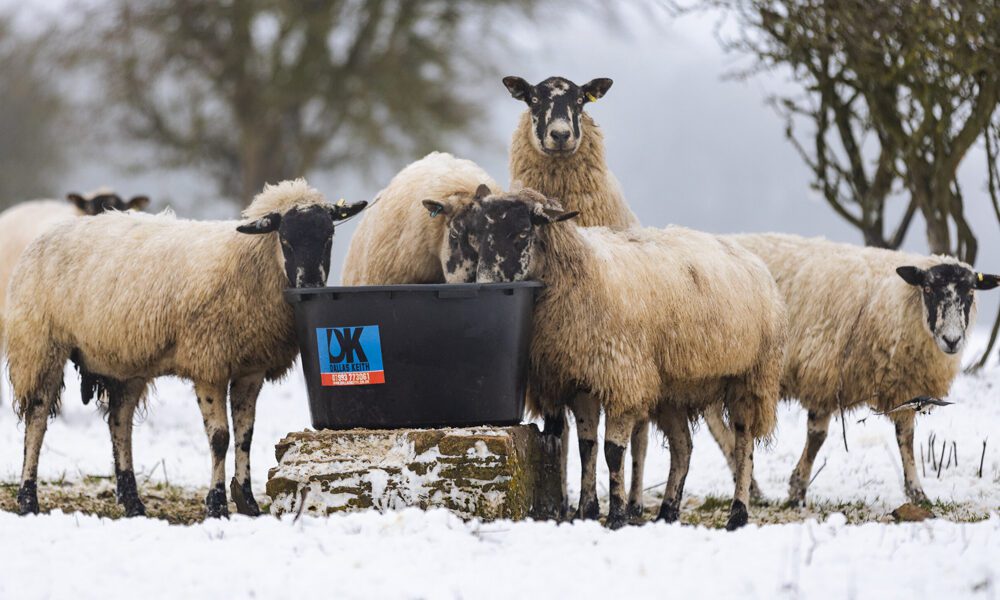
x=416 y=554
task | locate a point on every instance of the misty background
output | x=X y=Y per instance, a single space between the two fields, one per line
x=690 y=144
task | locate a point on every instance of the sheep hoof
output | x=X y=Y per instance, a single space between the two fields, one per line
x=615 y=522
x=668 y=513
x=136 y=509
x=215 y=503
x=589 y=510
x=243 y=497
x=634 y=512
x=128 y=494
x=27 y=498
x=916 y=496
x=738 y=516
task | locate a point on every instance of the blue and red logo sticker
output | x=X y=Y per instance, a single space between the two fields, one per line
x=350 y=355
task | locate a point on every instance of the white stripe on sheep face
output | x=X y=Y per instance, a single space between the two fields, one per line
x=947 y=293
x=306 y=236
x=556 y=105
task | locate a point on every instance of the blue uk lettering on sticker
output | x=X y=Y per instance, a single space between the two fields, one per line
x=350 y=355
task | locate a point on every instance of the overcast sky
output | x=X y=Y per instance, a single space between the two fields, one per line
x=689 y=146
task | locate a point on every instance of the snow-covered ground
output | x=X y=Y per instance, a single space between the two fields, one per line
x=416 y=554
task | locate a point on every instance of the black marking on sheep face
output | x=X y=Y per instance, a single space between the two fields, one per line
x=104 y=202
x=947 y=293
x=306 y=237
x=462 y=253
x=508 y=234
x=556 y=105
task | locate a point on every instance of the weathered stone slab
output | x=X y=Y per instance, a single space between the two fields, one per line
x=481 y=472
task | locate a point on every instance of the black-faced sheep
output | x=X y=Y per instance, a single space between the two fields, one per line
x=558 y=150
x=652 y=323
x=394 y=243
x=200 y=300
x=23 y=222
x=866 y=327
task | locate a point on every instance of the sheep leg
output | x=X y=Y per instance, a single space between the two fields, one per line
x=816 y=435
x=212 y=402
x=743 y=444
x=554 y=445
x=617 y=430
x=587 y=412
x=36 y=421
x=640 y=444
x=904 y=439
x=727 y=444
x=675 y=426
x=123 y=398
x=243 y=404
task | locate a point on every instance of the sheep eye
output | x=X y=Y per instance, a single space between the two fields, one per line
x=927 y=289
x=522 y=235
x=579 y=100
x=534 y=100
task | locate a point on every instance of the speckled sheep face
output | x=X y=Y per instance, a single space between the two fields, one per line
x=508 y=232
x=948 y=294
x=306 y=238
x=100 y=203
x=556 y=105
x=460 y=245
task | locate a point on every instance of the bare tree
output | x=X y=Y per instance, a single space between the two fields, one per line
x=893 y=93
x=261 y=90
x=32 y=137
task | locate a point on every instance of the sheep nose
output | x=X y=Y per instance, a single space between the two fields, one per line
x=561 y=136
x=952 y=342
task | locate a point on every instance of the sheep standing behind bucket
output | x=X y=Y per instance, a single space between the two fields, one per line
x=200 y=300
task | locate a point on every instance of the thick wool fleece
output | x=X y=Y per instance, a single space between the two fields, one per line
x=140 y=296
x=643 y=316
x=396 y=241
x=581 y=181
x=857 y=331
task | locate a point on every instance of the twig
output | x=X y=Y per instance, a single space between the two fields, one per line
x=303 y=493
x=954 y=451
x=941 y=462
x=923 y=462
x=982 y=457
x=816 y=474
x=655 y=485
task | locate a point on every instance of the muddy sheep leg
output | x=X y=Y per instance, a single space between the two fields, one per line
x=587 y=412
x=674 y=424
x=617 y=430
x=743 y=449
x=904 y=439
x=212 y=402
x=553 y=439
x=727 y=444
x=123 y=398
x=243 y=404
x=640 y=445
x=36 y=421
x=818 y=424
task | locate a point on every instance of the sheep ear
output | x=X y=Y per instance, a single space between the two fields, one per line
x=435 y=208
x=985 y=281
x=912 y=275
x=137 y=203
x=482 y=191
x=341 y=211
x=262 y=225
x=595 y=89
x=78 y=200
x=553 y=215
x=519 y=89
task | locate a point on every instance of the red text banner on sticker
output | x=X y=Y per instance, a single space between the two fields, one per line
x=366 y=378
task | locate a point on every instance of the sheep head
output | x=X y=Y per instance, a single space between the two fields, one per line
x=556 y=105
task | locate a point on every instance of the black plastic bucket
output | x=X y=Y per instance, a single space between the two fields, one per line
x=398 y=356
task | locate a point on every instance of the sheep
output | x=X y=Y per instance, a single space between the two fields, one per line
x=867 y=326
x=393 y=243
x=652 y=323
x=200 y=300
x=25 y=221
x=558 y=150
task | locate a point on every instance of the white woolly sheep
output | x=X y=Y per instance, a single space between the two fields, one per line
x=867 y=326
x=195 y=299
x=653 y=323
x=23 y=222
x=558 y=150
x=394 y=242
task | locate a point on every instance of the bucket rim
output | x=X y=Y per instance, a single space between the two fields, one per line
x=294 y=294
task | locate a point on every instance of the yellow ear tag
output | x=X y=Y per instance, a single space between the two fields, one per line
x=980 y=276
x=591 y=97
